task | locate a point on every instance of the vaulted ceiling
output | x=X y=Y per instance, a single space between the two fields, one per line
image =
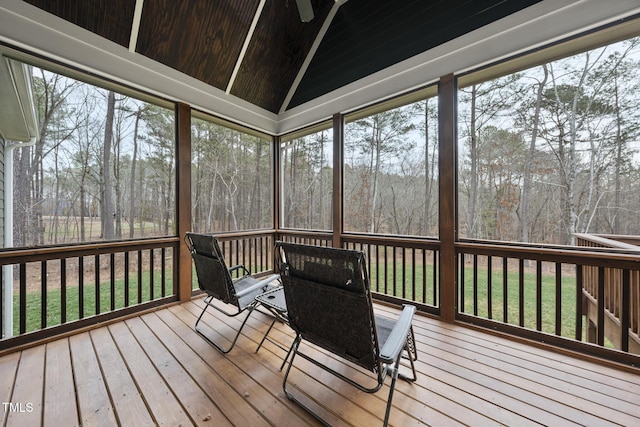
x=261 y=52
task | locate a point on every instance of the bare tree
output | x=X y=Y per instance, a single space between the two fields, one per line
x=107 y=185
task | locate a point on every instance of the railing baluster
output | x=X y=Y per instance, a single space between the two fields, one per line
x=601 y=303
x=378 y=268
x=558 y=299
x=126 y=279
x=490 y=287
x=579 y=296
x=23 y=298
x=80 y=287
x=635 y=303
x=152 y=283
x=475 y=284
x=112 y=284
x=521 y=292
x=505 y=289
x=63 y=290
x=163 y=271
x=43 y=294
x=403 y=273
x=539 y=295
x=386 y=263
x=626 y=303
x=139 y=277
x=96 y=261
x=424 y=276
x=462 y=282
x=413 y=274
x=394 y=266
x=436 y=267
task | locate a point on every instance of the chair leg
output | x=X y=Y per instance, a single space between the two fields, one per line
x=413 y=367
x=394 y=378
x=235 y=338
x=266 y=334
x=293 y=351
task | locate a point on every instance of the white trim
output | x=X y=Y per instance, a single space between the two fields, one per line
x=538 y=25
x=30 y=28
x=27 y=27
x=245 y=46
x=135 y=26
x=312 y=52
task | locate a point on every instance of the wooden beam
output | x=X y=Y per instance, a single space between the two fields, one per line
x=338 y=174
x=183 y=197
x=448 y=190
x=277 y=186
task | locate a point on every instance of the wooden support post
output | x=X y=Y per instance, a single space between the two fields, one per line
x=447 y=102
x=338 y=173
x=183 y=198
x=277 y=185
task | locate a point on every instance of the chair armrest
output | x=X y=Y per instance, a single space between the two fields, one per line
x=260 y=284
x=398 y=336
x=238 y=267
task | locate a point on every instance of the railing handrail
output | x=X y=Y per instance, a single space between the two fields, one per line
x=229 y=235
x=23 y=255
x=408 y=241
x=610 y=241
x=574 y=255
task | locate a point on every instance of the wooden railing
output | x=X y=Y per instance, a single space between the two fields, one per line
x=537 y=292
x=253 y=249
x=617 y=291
x=400 y=268
x=529 y=291
x=56 y=289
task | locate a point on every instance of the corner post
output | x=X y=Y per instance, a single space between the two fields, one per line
x=447 y=105
x=183 y=197
x=338 y=174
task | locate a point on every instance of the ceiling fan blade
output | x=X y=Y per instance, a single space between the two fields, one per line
x=305 y=9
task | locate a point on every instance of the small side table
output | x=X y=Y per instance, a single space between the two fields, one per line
x=275 y=302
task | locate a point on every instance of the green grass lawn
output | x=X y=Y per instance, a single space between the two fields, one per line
x=54 y=300
x=391 y=283
x=549 y=305
x=423 y=292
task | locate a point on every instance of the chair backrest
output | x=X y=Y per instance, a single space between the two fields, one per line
x=328 y=300
x=211 y=269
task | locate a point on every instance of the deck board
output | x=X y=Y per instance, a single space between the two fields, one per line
x=27 y=391
x=60 y=406
x=155 y=370
x=95 y=407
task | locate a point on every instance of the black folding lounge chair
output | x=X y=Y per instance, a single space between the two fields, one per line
x=214 y=278
x=329 y=305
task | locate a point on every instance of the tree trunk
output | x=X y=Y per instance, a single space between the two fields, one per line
x=132 y=180
x=526 y=185
x=107 y=201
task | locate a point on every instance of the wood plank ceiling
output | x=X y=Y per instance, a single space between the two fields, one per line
x=256 y=49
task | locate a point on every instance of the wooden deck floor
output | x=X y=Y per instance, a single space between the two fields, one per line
x=155 y=370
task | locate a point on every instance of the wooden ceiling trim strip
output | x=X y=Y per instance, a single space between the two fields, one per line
x=245 y=46
x=135 y=27
x=312 y=51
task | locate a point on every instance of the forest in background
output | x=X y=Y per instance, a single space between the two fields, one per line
x=542 y=154
x=553 y=150
x=103 y=167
